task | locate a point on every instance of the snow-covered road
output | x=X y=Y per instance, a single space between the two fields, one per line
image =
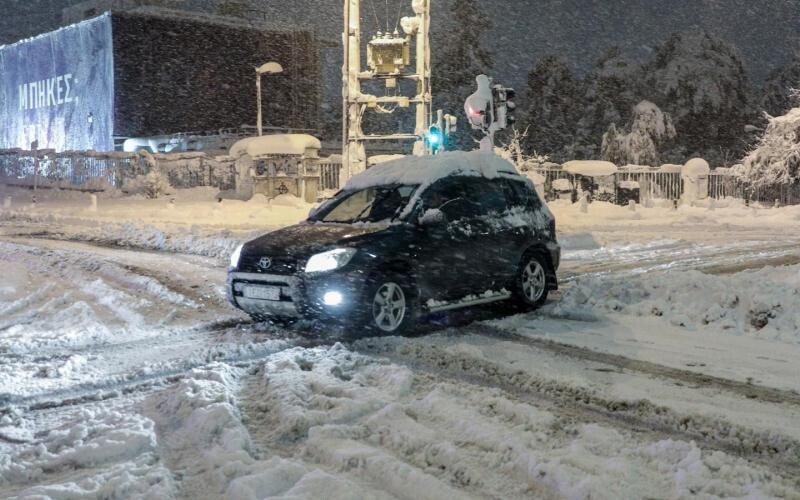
x=124 y=373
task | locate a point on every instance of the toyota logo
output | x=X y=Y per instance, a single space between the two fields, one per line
x=265 y=263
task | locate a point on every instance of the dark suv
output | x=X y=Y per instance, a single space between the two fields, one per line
x=405 y=238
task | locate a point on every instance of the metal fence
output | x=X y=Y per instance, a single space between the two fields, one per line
x=330 y=175
x=66 y=170
x=654 y=185
x=89 y=171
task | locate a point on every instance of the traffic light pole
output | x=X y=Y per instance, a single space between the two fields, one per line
x=356 y=104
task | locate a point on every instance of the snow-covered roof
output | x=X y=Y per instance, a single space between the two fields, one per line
x=277 y=144
x=424 y=170
x=590 y=168
x=695 y=168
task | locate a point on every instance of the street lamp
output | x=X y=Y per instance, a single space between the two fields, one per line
x=269 y=68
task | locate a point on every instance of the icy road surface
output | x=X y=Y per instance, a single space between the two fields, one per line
x=124 y=373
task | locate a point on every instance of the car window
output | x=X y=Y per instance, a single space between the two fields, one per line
x=489 y=195
x=452 y=196
x=374 y=204
x=519 y=194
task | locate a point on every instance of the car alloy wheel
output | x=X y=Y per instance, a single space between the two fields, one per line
x=389 y=307
x=534 y=281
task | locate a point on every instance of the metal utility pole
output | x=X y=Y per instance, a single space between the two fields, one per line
x=388 y=55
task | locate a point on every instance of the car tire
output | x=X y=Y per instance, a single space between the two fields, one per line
x=390 y=306
x=530 y=283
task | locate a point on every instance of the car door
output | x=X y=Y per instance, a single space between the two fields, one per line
x=448 y=246
x=498 y=236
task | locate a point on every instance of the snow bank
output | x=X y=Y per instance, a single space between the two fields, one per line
x=762 y=303
x=425 y=170
x=591 y=168
x=97 y=453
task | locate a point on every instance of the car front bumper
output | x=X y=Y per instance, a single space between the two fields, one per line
x=301 y=296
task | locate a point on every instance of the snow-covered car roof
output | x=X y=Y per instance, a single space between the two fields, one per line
x=277 y=144
x=590 y=168
x=425 y=170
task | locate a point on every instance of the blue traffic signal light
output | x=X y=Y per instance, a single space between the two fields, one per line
x=435 y=138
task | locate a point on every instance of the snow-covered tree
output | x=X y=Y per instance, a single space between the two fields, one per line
x=553 y=109
x=776 y=160
x=699 y=79
x=612 y=88
x=778 y=95
x=460 y=58
x=649 y=128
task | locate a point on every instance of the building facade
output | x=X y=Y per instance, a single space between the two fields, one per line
x=146 y=73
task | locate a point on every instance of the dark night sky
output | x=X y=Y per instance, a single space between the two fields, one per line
x=765 y=32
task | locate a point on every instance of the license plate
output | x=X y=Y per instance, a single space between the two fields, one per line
x=262 y=292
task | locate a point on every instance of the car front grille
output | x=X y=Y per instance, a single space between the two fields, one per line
x=283 y=265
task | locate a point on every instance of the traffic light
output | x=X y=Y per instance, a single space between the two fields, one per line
x=479 y=107
x=435 y=138
x=504 y=106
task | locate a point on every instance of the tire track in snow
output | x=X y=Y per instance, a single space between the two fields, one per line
x=679 y=255
x=639 y=416
x=695 y=379
x=153 y=376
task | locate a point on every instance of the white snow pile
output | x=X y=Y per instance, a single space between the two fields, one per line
x=98 y=453
x=761 y=302
x=276 y=144
x=590 y=168
x=425 y=170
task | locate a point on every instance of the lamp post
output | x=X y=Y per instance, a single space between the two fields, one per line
x=269 y=68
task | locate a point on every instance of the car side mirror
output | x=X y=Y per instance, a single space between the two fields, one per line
x=432 y=217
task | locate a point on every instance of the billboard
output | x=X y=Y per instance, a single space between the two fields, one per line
x=57 y=90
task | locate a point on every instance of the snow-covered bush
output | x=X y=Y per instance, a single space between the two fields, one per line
x=513 y=151
x=649 y=128
x=776 y=160
x=152 y=185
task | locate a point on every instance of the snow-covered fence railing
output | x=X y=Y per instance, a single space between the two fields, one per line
x=785 y=194
x=725 y=185
x=329 y=171
x=95 y=171
x=655 y=185
x=87 y=170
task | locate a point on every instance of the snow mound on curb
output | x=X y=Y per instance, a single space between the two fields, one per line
x=761 y=302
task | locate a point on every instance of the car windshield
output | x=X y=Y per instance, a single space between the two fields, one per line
x=373 y=204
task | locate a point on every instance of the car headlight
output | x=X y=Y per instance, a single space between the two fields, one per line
x=235 y=256
x=330 y=260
